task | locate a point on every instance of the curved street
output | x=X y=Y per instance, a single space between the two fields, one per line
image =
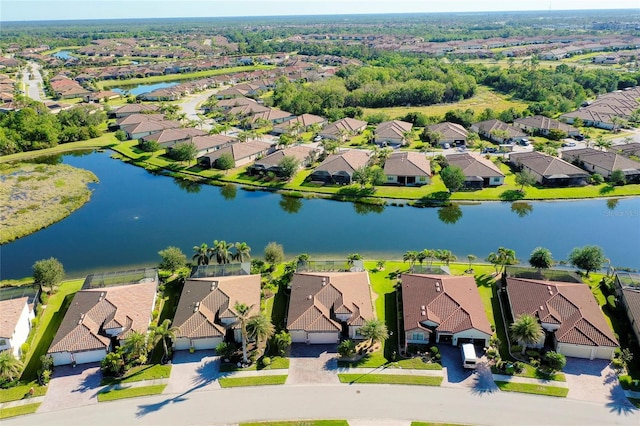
x=369 y=403
x=33 y=81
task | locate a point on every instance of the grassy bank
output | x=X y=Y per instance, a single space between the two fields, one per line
x=35 y=196
x=179 y=77
x=400 y=379
x=104 y=141
x=533 y=389
x=234 y=382
x=21 y=410
x=17 y=393
x=137 y=374
x=115 y=394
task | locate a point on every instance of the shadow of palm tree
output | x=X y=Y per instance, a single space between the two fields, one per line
x=607 y=189
x=483 y=383
x=206 y=374
x=619 y=404
x=511 y=195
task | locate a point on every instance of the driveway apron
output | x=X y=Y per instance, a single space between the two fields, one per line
x=313 y=364
x=193 y=372
x=72 y=387
x=593 y=381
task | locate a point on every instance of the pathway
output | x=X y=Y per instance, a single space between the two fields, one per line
x=312 y=364
x=193 y=371
x=72 y=387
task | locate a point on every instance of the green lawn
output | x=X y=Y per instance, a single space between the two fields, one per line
x=21 y=392
x=434 y=424
x=277 y=363
x=48 y=326
x=106 y=140
x=390 y=379
x=534 y=373
x=534 y=389
x=300 y=423
x=114 y=394
x=18 y=411
x=139 y=373
x=232 y=382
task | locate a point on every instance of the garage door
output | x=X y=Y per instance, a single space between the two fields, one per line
x=575 y=351
x=89 y=356
x=210 y=343
x=323 y=338
x=61 y=358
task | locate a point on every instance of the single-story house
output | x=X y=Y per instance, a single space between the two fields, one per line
x=102 y=95
x=628 y=149
x=271 y=163
x=98 y=315
x=129 y=109
x=603 y=162
x=392 y=132
x=242 y=153
x=167 y=138
x=299 y=124
x=323 y=306
x=568 y=313
x=342 y=129
x=17 y=306
x=407 y=168
x=209 y=143
x=339 y=168
x=543 y=125
x=443 y=309
x=498 y=131
x=450 y=133
x=591 y=117
x=145 y=128
x=206 y=310
x=628 y=291
x=246 y=110
x=548 y=170
x=136 y=118
x=227 y=104
x=478 y=171
x=274 y=116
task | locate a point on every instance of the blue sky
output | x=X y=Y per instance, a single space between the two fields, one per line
x=21 y=10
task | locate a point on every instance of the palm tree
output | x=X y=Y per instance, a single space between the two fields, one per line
x=135 y=346
x=10 y=366
x=375 y=330
x=161 y=333
x=541 y=258
x=526 y=330
x=201 y=255
x=446 y=256
x=430 y=254
x=410 y=256
x=506 y=257
x=242 y=312
x=260 y=328
x=222 y=251
x=242 y=253
x=471 y=258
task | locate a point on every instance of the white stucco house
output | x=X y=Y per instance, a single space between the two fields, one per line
x=15 y=324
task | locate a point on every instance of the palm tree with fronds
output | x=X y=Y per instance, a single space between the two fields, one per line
x=506 y=256
x=471 y=258
x=410 y=256
x=242 y=253
x=201 y=254
x=260 y=328
x=162 y=332
x=374 y=330
x=430 y=254
x=135 y=346
x=10 y=366
x=222 y=251
x=447 y=256
x=242 y=312
x=526 y=330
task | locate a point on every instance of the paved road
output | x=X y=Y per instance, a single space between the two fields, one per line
x=360 y=402
x=34 y=85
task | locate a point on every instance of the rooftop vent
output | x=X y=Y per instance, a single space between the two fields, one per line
x=423 y=307
x=423 y=313
x=196 y=307
x=541 y=308
x=81 y=319
x=309 y=297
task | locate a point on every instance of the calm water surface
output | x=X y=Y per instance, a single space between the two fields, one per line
x=143 y=88
x=133 y=214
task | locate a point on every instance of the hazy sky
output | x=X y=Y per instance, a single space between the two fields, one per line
x=24 y=10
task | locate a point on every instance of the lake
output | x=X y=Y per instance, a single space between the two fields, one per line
x=63 y=54
x=133 y=214
x=143 y=88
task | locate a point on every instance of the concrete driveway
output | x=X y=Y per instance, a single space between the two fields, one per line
x=479 y=380
x=313 y=364
x=593 y=381
x=192 y=372
x=72 y=387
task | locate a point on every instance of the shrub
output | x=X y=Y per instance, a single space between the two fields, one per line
x=35 y=322
x=225 y=350
x=121 y=135
x=347 y=348
x=618 y=364
x=492 y=353
x=516 y=348
x=155 y=314
x=556 y=361
x=434 y=350
x=45 y=377
x=266 y=361
x=24 y=349
x=533 y=353
x=596 y=179
x=611 y=302
x=519 y=366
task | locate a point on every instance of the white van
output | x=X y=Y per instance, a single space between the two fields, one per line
x=469 y=358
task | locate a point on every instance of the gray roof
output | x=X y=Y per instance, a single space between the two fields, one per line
x=407 y=163
x=474 y=165
x=488 y=126
x=299 y=152
x=546 y=165
x=347 y=161
x=607 y=160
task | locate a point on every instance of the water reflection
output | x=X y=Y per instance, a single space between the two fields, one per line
x=188 y=185
x=229 y=191
x=612 y=203
x=522 y=209
x=450 y=214
x=362 y=208
x=290 y=205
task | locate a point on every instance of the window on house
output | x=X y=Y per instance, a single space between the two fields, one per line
x=3 y=342
x=417 y=336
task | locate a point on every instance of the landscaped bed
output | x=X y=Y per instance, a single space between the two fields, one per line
x=113 y=394
x=139 y=373
x=232 y=382
x=277 y=363
x=19 y=411
x=534 y=389
x=392 y=379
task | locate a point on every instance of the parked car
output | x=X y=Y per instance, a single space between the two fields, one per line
x=578 y=137
x=568 y=144
x=524 y=142
x=446 y=146
x=489 y=150
x=317 y=139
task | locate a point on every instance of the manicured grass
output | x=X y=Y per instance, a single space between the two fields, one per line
x=139 y=373
x=300 y=423
x=35 y=196
x=534 y=389
x=534 y=373
x=484 y=98
x=21 y=392
x=113 y=394
x=5 y=413
x=49 y=323
x=434 y=424
x=635 y=402
x=277 y=363
x=390 y=379
x=232 y=382
x=106 y=140
x=177 y=77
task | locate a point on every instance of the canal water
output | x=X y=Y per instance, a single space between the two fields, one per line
x=133 y=214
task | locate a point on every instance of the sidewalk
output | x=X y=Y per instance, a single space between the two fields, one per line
x=529 y=380
x=391 y=371
x=21 y=402
x=140 y=384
